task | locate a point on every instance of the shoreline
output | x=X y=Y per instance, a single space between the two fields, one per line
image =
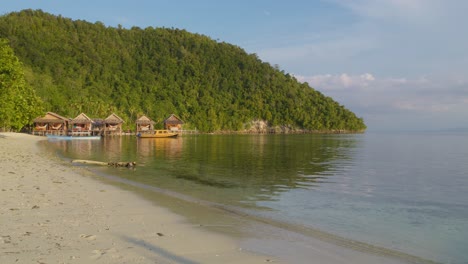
x=107 y=221
x=53 y=214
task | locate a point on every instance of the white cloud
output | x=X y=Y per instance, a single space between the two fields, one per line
x=375 y=98
x=390 y=37
x=325 y=51
x=341 y=81
x=401 y=58
x=414 y=11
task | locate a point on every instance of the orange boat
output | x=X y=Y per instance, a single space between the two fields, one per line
x=158 y=134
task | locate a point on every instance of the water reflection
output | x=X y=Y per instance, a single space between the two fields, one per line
x=147 y=148
x=389 y=190
x=232 y=169
x=80 y=148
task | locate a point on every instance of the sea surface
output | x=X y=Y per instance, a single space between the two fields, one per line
x=406 y=192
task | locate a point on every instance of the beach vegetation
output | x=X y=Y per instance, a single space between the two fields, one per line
x=19 y=104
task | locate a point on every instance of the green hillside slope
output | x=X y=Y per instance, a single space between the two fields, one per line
x=77 y=66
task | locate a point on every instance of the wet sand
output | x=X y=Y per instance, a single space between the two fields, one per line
x=54 y=213
x=51 y=213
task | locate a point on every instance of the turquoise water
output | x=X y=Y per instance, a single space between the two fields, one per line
x=403 y=191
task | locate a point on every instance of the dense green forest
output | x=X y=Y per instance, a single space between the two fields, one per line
x=18 y=101
x=78 y=66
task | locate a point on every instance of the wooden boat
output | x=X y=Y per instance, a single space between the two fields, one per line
x=158 y=134
x=56 y=137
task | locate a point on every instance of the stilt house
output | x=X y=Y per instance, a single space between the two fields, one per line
x=173 y=123
x=113 y=124
x=144 y=124
x=82 y=124
x=51 y=123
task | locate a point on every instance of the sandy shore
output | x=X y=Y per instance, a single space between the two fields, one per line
x=50 y=213
x=54 y=213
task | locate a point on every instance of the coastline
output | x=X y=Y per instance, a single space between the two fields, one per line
x=62 y=214
x=52 y=214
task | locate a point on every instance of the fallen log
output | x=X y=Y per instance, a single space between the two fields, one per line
x=113 y=164
x=91 y=162
x=122 y=164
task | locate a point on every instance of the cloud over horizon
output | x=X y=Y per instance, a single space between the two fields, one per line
x=393 y=62
x=387 y=37
x=373 y=97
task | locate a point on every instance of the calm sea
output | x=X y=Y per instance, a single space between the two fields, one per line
x=403 y=191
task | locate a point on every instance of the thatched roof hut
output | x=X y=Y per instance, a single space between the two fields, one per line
x=113 y=123
x=173 y=123
x=52 y=118
x=82 y=123
x=51 y=123
x=144 y=123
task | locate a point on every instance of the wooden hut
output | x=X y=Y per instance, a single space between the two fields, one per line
x=51 y=123
x=113 y=124
x=144 y=124
x=82 y=124
x=173 y=123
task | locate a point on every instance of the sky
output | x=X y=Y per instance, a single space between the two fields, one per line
x=399 y=64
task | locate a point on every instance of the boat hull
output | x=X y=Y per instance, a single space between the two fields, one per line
x=158 y=134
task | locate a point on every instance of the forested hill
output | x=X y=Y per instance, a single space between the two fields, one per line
x=77 y=66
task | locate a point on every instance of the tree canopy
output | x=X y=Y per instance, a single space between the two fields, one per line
x=19 y=104
x=77 y=66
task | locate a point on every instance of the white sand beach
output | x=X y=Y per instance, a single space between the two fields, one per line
x=54 y=213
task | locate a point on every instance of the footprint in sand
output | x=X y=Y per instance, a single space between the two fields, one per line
x=97 y=254
x=111 y=252
x=5 y=239
x=88 y=237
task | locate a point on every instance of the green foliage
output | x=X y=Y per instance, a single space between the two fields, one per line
x=77 y=66
x=19 y=104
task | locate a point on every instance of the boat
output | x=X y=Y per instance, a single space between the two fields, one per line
x=56 y=137
x=158 y=134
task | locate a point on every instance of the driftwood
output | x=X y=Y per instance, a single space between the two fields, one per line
x=122 y=164
x=113 y=164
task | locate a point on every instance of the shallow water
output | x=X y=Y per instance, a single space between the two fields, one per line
x=403 y=191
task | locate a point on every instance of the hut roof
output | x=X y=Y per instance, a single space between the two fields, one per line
x=51 y=117
x=144 y=120
x=113 y=119
x=82 y=119
x=173 y=120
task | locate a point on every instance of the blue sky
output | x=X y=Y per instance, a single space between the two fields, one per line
x=399 y=64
